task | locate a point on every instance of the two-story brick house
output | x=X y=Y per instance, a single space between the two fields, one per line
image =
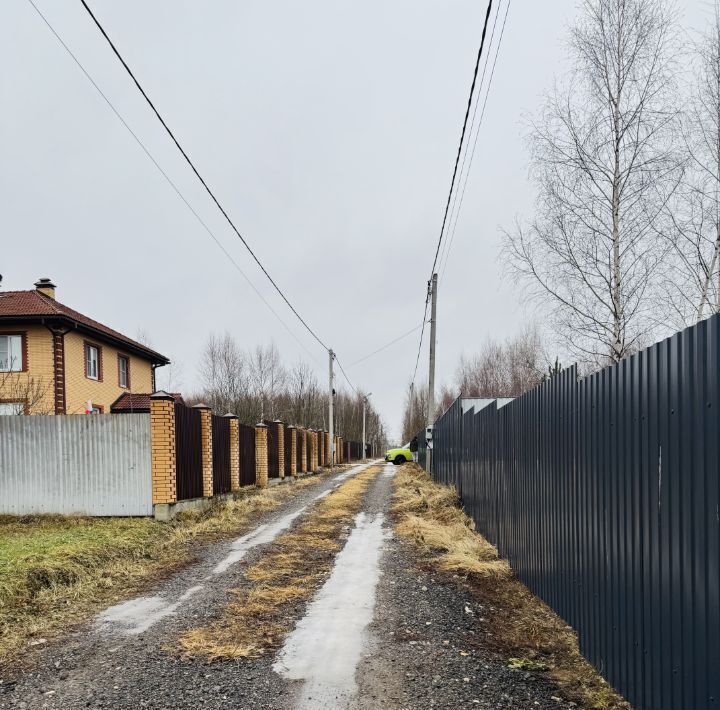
x=55 y=360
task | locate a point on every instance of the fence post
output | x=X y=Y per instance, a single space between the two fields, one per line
x=207 y=452
x=162 y=446
x=314 y=451
x=292 y=432
x=280 y=428
x=234 y=452
x=261 y=456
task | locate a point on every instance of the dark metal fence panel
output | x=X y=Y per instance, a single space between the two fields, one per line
x=288 y=450
x=299 y=449
x=221 y=454
x=603 y=493
x=188 y=452
x=247 y=455
x=273 y=442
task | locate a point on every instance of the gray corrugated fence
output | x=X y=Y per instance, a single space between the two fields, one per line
x=604 y=495
x=90 y=465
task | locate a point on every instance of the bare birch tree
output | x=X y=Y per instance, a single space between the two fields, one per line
x=605 y=166
x=693 y=279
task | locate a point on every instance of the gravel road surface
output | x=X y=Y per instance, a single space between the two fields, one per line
x=379 y=634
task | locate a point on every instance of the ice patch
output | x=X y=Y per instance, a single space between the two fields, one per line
x=326 y=646
x=138 y=615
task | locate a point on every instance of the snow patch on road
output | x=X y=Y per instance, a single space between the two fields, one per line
x=138 y=615
x=326 y=646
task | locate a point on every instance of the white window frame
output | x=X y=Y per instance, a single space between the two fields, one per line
x=89 y=348
x=13 y=361
x=123 y=359
x=12 y=408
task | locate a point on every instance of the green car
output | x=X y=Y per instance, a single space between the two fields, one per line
x=398 y=456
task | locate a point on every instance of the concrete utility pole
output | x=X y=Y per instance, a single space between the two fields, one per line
x=431 y=377
x=364 y=449
x=331 y=407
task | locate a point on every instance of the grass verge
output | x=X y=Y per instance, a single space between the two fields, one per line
x=522 y=628
x=56 y=571
x=258 y=617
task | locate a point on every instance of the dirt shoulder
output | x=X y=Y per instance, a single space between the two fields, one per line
x=498 y=620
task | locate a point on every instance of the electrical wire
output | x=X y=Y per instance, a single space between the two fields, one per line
x=477 y=133
x=387 y=345
x=462 y=134
x=454 y=175
x=198 y=175
x=168 y=179
x=472 y=128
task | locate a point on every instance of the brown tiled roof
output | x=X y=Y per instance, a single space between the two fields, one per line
x=137 y=402
x=32 y=305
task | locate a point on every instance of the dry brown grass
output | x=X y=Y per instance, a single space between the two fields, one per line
x=257 y=618
x=56 y=571
x=521 y=628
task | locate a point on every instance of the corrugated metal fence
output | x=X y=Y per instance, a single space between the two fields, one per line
x=90 y=465
x=603 y=493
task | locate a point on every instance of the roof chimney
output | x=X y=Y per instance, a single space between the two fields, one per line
x=46 y=287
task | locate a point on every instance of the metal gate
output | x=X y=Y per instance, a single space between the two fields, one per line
x=188 y=452
x=247 y=455
x=221 y=454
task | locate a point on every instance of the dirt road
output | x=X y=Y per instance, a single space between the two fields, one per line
x=378 y=633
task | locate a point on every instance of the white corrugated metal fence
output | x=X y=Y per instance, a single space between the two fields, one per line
x=76 y=464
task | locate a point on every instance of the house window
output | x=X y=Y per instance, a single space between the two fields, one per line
x=93 y=363
x=124 y=371
x=11 y=353
x=12 y=408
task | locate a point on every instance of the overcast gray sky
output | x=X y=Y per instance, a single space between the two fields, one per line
x=328 y=129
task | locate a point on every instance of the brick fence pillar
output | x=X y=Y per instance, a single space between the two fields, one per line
x=234 y=452
x=318 y=442
x=314 y=465
x=207 y=452
x=302 y=443
x=162 y=446
x=261 y=456
x=326 y=446
x=280 y=428
x=292 y=432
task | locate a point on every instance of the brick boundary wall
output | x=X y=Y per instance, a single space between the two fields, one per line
x=162 y=444
x=314 y=449
x=261 y=456
x=207 y=452
x=234 y=452
x=293 y=432
x=281 y=447
x=303 y=450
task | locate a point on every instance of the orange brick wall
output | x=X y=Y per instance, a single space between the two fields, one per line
x=207 y=452
x=79 y=389
x=162 y=440
x=39 y=378
x=234 y=454
x=261 y=457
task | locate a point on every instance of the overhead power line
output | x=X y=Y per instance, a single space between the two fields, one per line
x=462 y=134
x=169 y=180
x=477 y=133
x=454 y=175
x=387 y=345
x=198 y=175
